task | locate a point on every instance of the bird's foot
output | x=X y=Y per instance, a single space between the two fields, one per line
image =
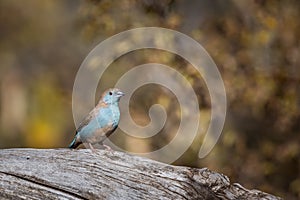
x=92 y=148
x=108 y=148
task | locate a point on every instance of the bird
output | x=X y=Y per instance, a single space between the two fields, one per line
x=101 y=122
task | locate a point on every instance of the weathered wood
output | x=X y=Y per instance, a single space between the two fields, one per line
x=80 y=174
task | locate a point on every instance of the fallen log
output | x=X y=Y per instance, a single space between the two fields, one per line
x=81 y=174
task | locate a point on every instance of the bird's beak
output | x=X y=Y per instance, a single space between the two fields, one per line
x=120 y=94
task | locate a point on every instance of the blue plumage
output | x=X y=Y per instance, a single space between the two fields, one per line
x=101 y=122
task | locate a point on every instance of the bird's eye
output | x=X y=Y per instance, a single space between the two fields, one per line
x=110 y=93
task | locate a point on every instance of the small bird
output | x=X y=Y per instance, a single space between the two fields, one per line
x=101 y=122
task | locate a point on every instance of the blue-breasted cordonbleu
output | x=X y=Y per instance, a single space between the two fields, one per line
x=101 y=122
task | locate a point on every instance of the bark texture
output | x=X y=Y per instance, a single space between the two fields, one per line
x=80 y=174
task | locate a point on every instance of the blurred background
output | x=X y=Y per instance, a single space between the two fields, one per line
x=255 y=45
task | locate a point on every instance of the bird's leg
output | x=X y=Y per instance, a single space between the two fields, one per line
x=108 y=148
x=92 y=148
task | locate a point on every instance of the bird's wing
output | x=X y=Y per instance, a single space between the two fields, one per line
x=87 y=120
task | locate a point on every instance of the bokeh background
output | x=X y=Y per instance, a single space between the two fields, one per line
x=254 y=43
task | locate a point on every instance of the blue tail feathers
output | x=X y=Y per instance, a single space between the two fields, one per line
x=75 y=143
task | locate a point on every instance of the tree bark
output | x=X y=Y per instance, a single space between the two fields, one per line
x=81 y=174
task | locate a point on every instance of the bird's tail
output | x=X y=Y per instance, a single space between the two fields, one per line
x=75 y=143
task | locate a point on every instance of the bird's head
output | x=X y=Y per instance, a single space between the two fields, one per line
x=112 y=96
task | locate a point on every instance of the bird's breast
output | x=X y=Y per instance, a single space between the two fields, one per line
x=109 y=115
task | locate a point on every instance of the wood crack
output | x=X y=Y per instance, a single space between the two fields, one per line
x=44 y=185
